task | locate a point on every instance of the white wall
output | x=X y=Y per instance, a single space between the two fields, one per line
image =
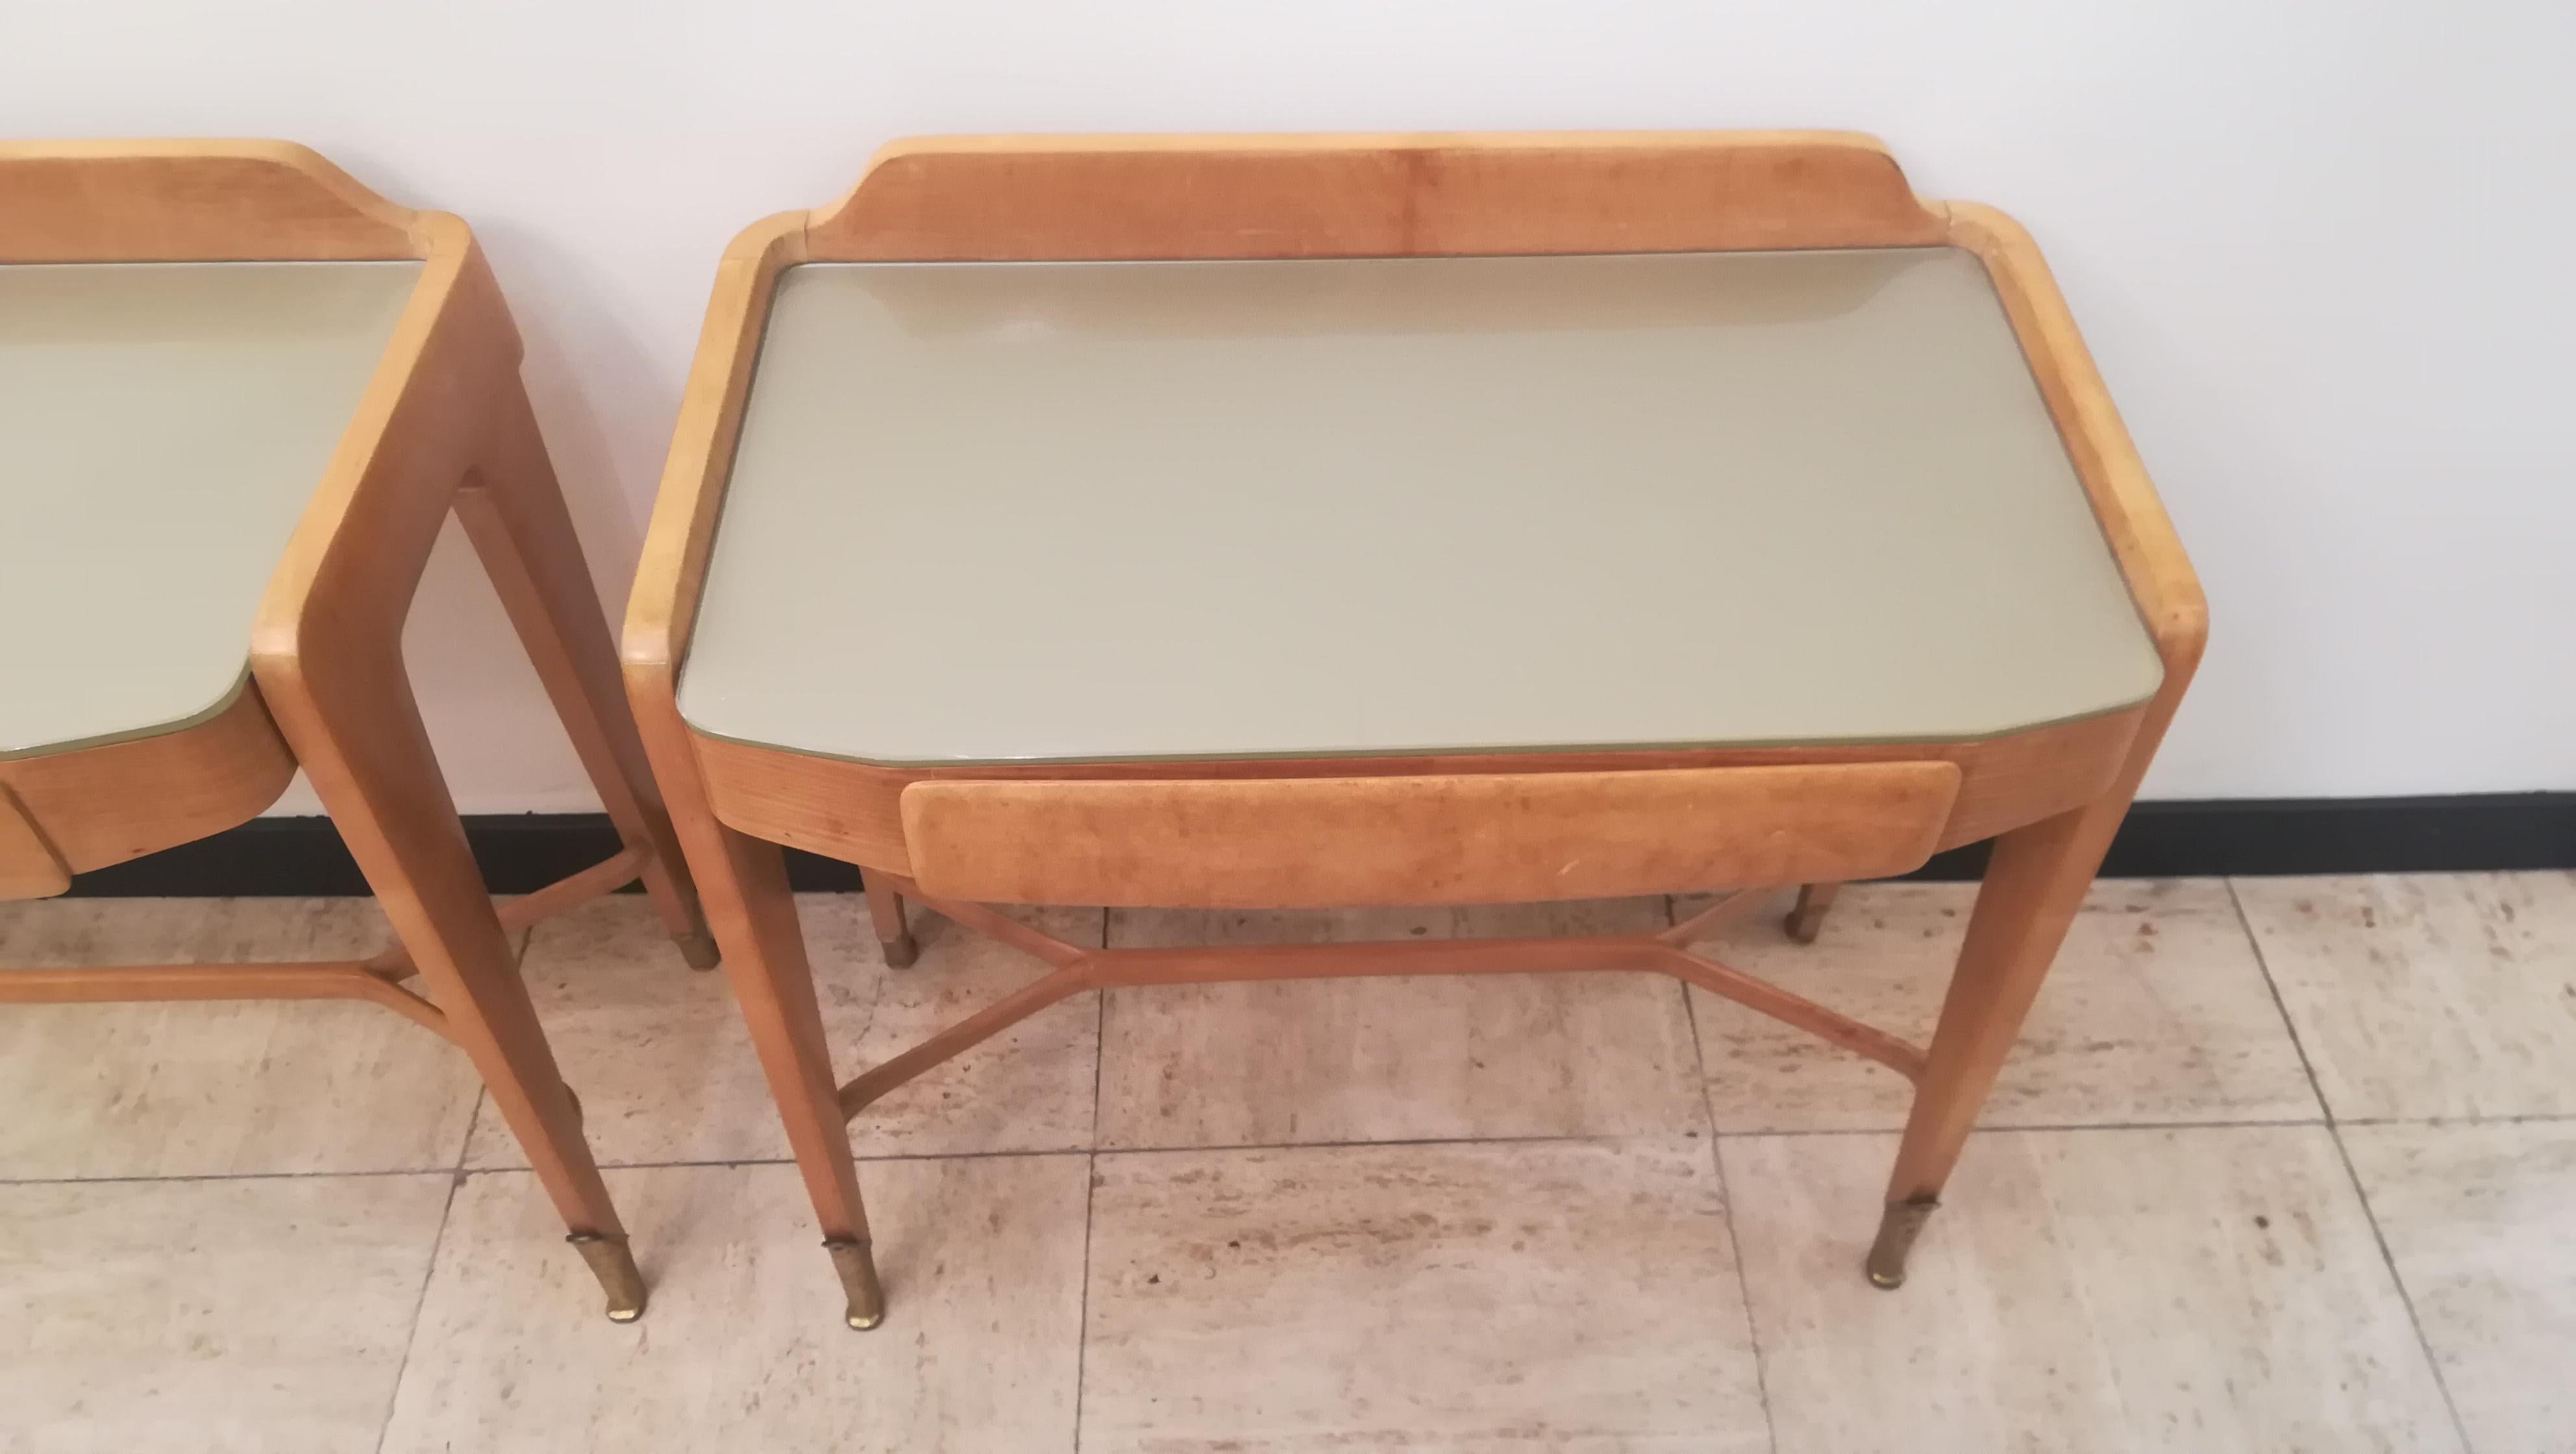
x=2315 y=247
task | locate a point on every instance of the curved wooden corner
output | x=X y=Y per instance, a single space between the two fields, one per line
x=191 y=200
x=2151 y=558
x=97 y=806
x=216 y=201
x=387 y=485
x=346 y=578
x=1022 y=198
x=664 y=602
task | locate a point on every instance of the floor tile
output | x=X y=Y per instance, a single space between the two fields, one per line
x=215 y=1087
x=2482 y=1223
x=2430 y=995
x=2102 y=1290
x=1394 y=1059
x=742 y=1345
x=665 y=1069
x=1575 y=1296
x=2155 y=1011
x=265 y=1314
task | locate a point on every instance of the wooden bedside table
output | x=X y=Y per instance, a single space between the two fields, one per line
x=240 y=393
x=1253 y=521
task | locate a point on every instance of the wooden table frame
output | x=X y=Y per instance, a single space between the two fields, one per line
x=444 y=425
x=1088 y=833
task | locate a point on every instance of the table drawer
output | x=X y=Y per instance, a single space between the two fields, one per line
x=1467 y=838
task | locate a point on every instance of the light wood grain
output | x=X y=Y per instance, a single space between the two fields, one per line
x=190 y=200
x=1430 y=194
x=2054 y=796
x=104 y=805
x=326 y=651
x=667 y=1072
x=742 y=880
x=853 y=810
x=2142 y=537
x=29 y=866
x=443 y=425
x=2156 y=1010
x=249 y=1088
x=514 y=512
x=125 y=983
x=2034 y=884
x=1480 y=838
x=663 y=604
x=2037 y=877
x=1078 y=968
x=1450 y=1058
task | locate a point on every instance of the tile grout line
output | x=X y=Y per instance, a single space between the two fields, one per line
x=446 y=1209
x=1726 y=1195
x=1090 y=1184
x=482 y=1091
x=2280 y=1006
x=229 y=1176
x=1795 y=1133
x=2352 y=1175
x=1082 y=1305
x=2396 y=1279
x=1079 y=1150
x=419 y=1301
x=2543 y=1118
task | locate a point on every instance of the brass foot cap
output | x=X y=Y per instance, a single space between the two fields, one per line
x=698 y=950
x=614 y=1266
x=858 y=1270
x=900 y=953
x=1897 y=1229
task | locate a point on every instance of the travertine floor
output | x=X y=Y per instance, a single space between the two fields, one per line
x=2283 y=1164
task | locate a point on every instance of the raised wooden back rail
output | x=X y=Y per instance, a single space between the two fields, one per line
x=192 y=201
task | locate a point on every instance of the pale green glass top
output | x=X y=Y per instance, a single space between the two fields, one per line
x=162 y=426
x=1083 y=511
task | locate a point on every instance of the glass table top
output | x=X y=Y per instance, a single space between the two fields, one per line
x=992 y=512
x=162 y=427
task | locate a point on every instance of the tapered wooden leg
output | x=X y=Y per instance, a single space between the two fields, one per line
x=2035 y=883
x=358 y=734
x=743 y=883
x=514 y=512
x=885 y=906
x=1808 y=916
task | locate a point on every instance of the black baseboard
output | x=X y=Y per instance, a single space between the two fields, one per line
x=520 y=853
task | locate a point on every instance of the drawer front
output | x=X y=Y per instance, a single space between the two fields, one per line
x=1467 y=838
